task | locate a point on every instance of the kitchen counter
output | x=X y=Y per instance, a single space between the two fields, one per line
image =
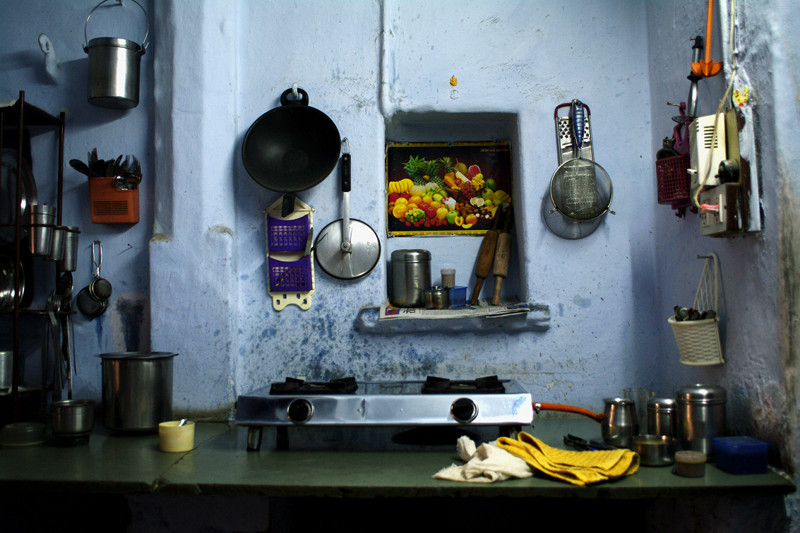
x=221 y=465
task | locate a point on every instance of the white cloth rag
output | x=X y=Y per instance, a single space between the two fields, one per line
x=486 y=464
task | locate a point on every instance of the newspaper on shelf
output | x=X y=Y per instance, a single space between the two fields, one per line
x=483 y=309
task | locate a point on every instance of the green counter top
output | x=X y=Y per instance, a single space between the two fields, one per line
x=220 y=464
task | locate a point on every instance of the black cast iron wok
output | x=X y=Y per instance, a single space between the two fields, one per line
x=291 y=148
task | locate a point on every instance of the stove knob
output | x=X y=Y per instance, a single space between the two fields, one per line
x=300 y=411
x=464 y=410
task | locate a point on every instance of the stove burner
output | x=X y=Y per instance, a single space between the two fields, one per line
x=484 y=385
x=301 y=386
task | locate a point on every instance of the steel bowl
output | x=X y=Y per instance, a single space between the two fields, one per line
x=72 y=418
x=654 y=450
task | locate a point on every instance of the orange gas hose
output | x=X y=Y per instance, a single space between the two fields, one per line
x=537 y=406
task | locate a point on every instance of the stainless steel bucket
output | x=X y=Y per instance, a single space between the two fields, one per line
x=137 y=390
x=114 y=67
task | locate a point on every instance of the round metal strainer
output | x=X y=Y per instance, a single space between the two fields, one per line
x=580 y=189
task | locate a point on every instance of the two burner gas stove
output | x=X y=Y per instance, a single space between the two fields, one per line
x=435 y=402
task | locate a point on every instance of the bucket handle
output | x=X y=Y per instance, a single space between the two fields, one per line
x=146 y=24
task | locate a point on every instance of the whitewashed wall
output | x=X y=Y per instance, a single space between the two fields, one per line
x=374 y=67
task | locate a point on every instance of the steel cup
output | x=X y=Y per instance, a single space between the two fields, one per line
x=42 y=218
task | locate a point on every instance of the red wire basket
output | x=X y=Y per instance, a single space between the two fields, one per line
x=673 y=181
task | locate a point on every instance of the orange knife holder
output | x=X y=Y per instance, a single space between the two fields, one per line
x=110 y=205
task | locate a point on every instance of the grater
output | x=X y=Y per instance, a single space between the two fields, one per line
x=564 y=141
x=290 y=256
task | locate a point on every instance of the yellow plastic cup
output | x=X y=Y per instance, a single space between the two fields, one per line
x=172 y=437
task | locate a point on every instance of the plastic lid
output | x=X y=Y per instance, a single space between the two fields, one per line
x=701 y=393
x=690 y=457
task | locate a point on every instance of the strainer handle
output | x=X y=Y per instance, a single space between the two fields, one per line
x=86 y=24
x=577 y=116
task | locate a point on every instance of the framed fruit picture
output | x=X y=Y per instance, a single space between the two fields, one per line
x=445 y=188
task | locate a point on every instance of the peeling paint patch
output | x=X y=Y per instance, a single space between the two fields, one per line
x=582 y=302
x=221 y=230
x=98 y=329
x=130 y=323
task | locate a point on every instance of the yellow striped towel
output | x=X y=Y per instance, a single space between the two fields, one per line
x=578 y=468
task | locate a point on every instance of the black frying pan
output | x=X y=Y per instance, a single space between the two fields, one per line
x=291 y=148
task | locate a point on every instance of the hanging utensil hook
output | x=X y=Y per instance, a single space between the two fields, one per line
x=97 y=257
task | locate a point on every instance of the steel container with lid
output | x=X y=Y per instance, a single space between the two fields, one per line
x=411 y=277
x=114 y=66
x=661 y=416
x=137 y=390
x=701 y=417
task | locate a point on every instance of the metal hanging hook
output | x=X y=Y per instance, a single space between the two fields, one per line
x=97 y=257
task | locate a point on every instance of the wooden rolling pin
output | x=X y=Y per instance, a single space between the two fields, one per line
x=483 y=266
x=501 y=255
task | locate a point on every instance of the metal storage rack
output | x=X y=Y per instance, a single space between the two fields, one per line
x=16 y=118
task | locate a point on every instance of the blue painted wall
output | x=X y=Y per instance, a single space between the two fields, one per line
x=191 y=278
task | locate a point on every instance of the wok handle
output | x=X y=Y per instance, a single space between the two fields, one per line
x=599 y=417
x=303 y=97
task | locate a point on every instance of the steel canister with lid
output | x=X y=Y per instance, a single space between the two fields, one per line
x=701 y=417
x=661 y=416
x=411 y=277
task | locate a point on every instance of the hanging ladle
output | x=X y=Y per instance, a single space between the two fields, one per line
x=93 y=299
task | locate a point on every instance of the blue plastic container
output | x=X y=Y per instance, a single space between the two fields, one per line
x=458 y=297
x=741 y=455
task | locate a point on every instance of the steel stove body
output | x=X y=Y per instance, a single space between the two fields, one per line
x=433 y=402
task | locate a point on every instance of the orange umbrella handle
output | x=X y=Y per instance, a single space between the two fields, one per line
x=599 y=417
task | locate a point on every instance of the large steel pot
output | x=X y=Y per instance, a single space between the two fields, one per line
x=137 y=390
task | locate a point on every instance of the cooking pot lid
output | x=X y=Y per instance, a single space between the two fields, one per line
x=411 y=256
x=137 y=355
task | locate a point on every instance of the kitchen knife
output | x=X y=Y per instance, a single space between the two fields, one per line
x=501 y=255
x=483 y=265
